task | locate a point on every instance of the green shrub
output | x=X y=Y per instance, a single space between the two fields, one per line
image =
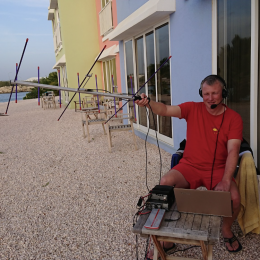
x=52 y=79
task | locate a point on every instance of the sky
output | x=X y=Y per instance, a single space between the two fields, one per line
x=21 y=19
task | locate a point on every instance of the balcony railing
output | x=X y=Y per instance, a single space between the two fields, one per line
x=106 y=19
x=57 y=38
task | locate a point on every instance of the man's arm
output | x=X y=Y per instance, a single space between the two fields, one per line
x=233 y=147
x=159 y=108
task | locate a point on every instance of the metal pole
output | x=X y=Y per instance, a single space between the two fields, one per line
x=79 y=94
x=38 y=88
x=97 y=95
x=133 y=95
x=114 y=97
x=82 y=81
x=16 y=86
x=16 y=74
x=59 y=86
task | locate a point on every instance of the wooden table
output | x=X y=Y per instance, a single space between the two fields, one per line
x=191 y=229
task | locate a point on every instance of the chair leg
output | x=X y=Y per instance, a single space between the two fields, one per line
x=104 y=129
x=133 y=133
x=87 y=128
x=109 y=139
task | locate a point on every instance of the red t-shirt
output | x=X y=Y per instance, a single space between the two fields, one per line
x=202 y=132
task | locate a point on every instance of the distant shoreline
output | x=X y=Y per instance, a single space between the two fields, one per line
x=7 y=89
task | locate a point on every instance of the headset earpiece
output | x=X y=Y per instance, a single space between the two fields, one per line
x=224 y=90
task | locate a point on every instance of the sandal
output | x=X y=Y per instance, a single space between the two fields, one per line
x=166 y=250
x=231 y=241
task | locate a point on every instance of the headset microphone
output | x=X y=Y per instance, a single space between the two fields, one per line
x=215 y=105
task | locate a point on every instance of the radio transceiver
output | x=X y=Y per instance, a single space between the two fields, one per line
x=161 y=197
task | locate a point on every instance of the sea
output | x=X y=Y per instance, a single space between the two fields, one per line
x=5 y=97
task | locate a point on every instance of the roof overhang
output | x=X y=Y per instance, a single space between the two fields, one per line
x=60 y=62
x=53 y=4
x=51 y=14
x=109 y=53
x=146 y=16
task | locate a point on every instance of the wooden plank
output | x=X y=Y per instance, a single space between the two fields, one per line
x=177 y=232
x=179 y=240
x=137 y=229
x=167 y=215
x=179 y=258
x=210 y=252
x=175 y=215
x=197 y=222
x=215 y=229
x=204 y=250
x=181 y=221
x=205 y=223
x=189 y=221
x=159 y=247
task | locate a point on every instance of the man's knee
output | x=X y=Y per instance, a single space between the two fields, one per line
x=165 y=180
x=236 y=201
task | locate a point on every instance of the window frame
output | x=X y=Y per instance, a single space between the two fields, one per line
x=137 y=126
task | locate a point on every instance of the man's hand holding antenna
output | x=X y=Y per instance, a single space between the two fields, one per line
x=142 y=100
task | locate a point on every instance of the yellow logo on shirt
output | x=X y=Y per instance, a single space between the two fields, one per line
x=215 y=130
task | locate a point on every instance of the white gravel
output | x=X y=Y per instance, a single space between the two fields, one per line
x=65 y=198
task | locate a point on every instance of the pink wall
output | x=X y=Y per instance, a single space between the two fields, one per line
x=109 y=43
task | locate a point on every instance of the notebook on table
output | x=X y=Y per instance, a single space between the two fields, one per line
x=206 y=202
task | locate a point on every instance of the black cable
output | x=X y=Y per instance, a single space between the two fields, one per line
x=216 y=149
x=146 y=150
x=157 y=144
x=136 y=241
x=182 y=250
x=170 y=220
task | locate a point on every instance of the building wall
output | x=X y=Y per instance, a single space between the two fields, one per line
x=80 y=41
x=107 y=42
x=127 y=7
x=191 y=50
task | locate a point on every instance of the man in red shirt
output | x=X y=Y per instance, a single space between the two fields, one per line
x=214 y=135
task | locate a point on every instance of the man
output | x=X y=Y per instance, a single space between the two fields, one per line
x=214 y=134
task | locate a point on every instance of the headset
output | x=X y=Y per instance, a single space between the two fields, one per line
x=214 y=78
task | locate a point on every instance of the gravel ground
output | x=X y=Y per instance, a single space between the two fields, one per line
x=65 y=198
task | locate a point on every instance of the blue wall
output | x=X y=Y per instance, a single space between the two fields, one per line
x=127 y=7
x=191 y=50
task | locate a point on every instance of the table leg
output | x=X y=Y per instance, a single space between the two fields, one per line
x=210 y=252
x=204 y=250
x=159 y=247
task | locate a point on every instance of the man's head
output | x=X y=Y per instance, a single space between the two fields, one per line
x=212 y=90
x=210 y=80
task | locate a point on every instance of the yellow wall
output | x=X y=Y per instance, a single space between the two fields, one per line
x=80 y=42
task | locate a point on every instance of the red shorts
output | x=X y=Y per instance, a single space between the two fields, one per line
x=199 y=177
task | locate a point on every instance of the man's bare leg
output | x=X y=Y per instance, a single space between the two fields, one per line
x=227 y=222
x=176 y=179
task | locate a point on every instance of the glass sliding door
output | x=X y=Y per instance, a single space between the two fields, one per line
x=130 y=70
x=143 y=56
x=163 y=76
x=109 y=69
x=234 y=51
x=140 y=76
x=150 y=68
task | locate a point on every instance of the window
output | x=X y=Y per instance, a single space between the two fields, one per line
x=234 y=51
x=150 y=51
x=109 y=70
x=104 y=3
